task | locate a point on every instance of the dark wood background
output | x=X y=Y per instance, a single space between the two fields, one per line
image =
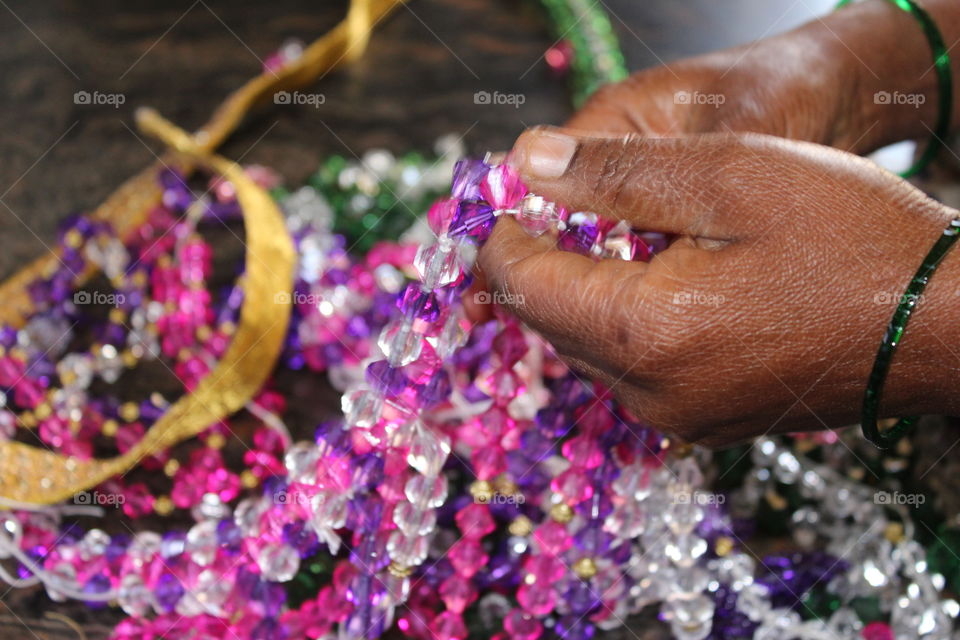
x=415 y=83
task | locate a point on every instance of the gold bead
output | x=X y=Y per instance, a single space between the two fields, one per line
x=585 y=568
x=505 y=486
x=893 y=532
x=216 y=441
x=723 y=546
x=399 y=570
x=67 y=378
x=42 y=411
x=129 y=359
x=775 y=500
x=204 y=333
x=117 y=315
x=73 y=239
x=171 y=467
x=561 y=512
x=521 y=526
x=228 y=328
x=163 y=505
x=129 y=411
x=28 y=420
x=109 y=428
x=249 y=479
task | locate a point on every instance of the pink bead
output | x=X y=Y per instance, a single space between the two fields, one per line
x=552 y=538
x=522 y=626
x=10 y=371
x=488 y=462
x=877 y=631
x=474 y=521
x=502 y=187
x=28 y=393
x=449 y=626
x=537 y=599
x=582 y=452
x=573 y=486
x=457 y=593
x=441 y=213
x=511 y=345
x=467 y=557
x=128 y=436
x=138 y=501
x=544 y=568
x=559 y=57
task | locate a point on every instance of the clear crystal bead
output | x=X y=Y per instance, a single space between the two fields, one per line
x=408 y=551
x=362 y=408
x=399 y=342
x=437 y=264
x=428 y=451
x=301 y=463
x=329 y=511
x=278 y=562
x=426 y=492
x=202 y=542
x=537 y=214
x=414 y=521
x=133 y=596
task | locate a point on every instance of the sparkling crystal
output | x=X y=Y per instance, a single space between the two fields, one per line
x=537 y=214
x=278 y=562
x=428 y=451
x=399 y=342
x=438 y=265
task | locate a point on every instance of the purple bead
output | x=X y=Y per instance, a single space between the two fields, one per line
x=8 y=336
x=357 y=327
x=467 y=174
x=228 y=533
x=473 y=219
x=297 y=535
x=117 y=546
x=268 y=629
x=436 y=390
x=368 y=472
x=168 y=591
x=417 y=303
x=364 y=514
x=579 y=238
x=574 y=627
x=593 y=539
x=391 y=381
x=552 y=422
x=98 y=583
x=150 y=412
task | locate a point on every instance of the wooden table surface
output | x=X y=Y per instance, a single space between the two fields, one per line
x=415 y=83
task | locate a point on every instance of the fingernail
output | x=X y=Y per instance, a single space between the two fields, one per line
x=547 y=154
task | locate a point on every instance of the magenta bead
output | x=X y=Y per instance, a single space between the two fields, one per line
x=536 y=599
x=502 y=187
x=467 y=557
x=475 y=521
x=449 y=626
x=522 y=626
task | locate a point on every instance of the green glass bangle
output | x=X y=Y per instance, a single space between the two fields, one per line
x=941 y=62
x=892 y=338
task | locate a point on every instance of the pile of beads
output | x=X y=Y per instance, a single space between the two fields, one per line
x=475 y=485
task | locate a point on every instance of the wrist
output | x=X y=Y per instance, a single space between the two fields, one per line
x=887 y=73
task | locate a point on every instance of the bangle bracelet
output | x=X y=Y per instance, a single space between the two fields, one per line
x=891 y=339
x=941 y=62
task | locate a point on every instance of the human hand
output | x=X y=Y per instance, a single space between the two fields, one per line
x=817 y=83
x=765 y=313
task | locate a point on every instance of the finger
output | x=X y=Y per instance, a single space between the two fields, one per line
x=574 y=302
x=674 y=185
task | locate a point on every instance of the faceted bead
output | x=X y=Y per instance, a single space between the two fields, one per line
x=511 y=345
x=622 y=244
x=425 y=491
x=417 y=303
x=362 y=408
x=581 y=233
x=502 y=187
x=575 y=627
x=407 y=551
x=301 y=463
x=475 y=521
x=438 y=265
x=553 y=538
x=388 y=380
x=877 y=631
x=537 y=214
x=573 y=486
x=544 y=569
x=522 y=626
x=467 y=174
x=436 y=390
x=400 y=343
x=441 y=214
x=202 y=542
x=414 y=521
x=582 y=452
x=278 y=562
x=457 y=593
x=690 y=619
x=329 y=510
x=473 y=219
x=133 y=596
x=467 y=557
x=428 y=451
x=537 y=599
x=449 y=626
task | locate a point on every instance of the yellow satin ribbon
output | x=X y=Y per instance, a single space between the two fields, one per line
x=32 y=475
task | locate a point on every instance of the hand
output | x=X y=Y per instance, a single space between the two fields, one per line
x=767 y=311
x=817 y=83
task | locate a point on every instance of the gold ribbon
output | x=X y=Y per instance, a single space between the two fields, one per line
x=32 y=475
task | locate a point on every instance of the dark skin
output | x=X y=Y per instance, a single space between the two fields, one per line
x=766 y=313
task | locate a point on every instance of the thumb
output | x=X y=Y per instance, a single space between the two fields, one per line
x=672 y=185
